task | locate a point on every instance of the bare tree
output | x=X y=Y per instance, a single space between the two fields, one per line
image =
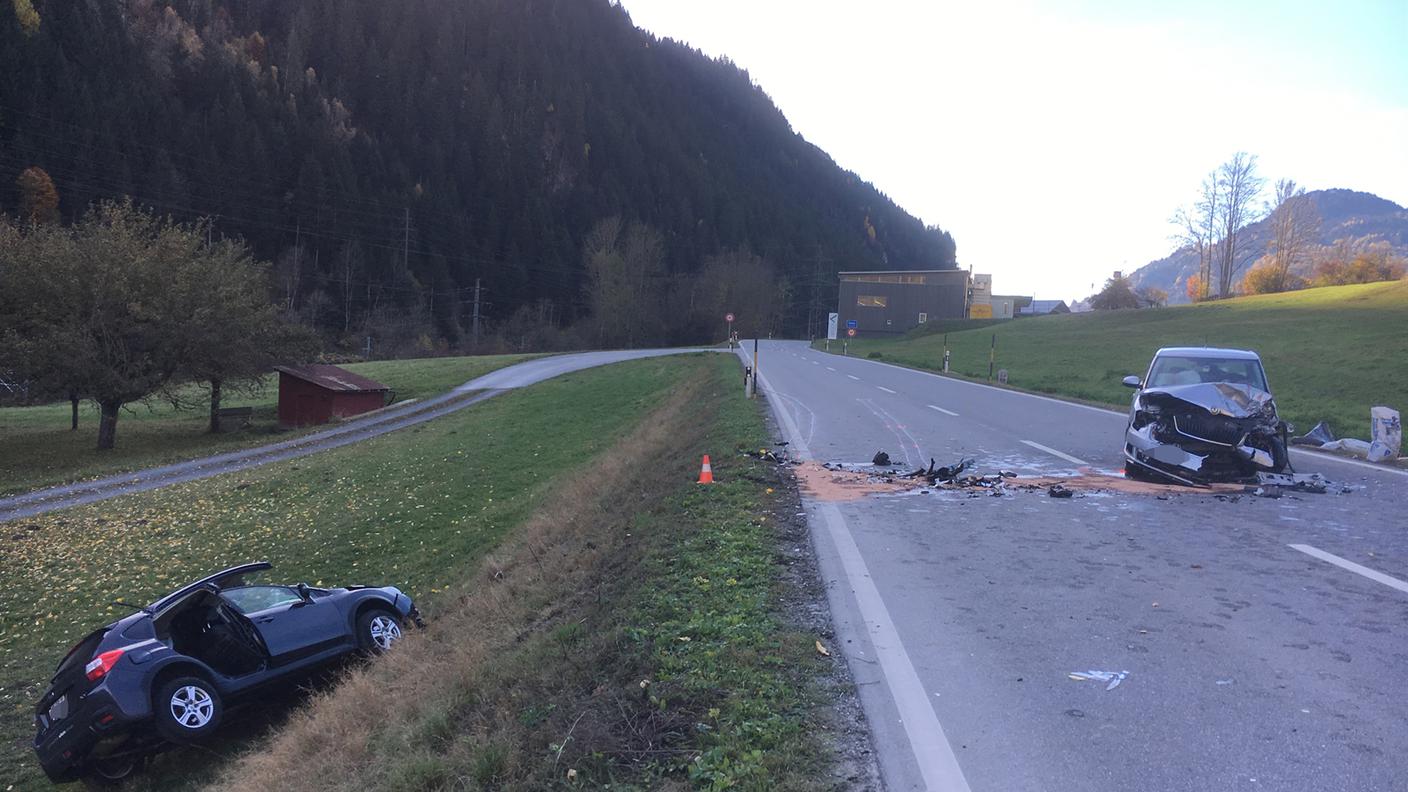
x=1238 y=187
x=1197 y=228
x=1295 y=226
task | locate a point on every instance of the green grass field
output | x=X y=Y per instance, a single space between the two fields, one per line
x=1330 y=353
x=415 y=509
x=37 y=447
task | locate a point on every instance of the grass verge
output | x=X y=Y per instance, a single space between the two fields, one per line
x=1330 y=353
x=38 y=448
x=627 y=635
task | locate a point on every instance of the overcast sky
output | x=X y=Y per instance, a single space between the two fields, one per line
x=1054 y=139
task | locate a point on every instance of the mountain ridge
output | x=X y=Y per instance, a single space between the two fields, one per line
x=1359 y=217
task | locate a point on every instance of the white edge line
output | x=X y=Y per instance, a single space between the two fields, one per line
x=887 y=390
x=1320 y=455
x=932 y=752
x=1344 y=563
x=1055 y=453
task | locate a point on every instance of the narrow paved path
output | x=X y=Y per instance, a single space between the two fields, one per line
x=1263 y=639
x=355 y=431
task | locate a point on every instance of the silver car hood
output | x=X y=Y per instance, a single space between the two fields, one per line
x=1218 y=398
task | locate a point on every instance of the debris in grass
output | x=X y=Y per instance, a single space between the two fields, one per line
x=822 y=650
x=1114 y=678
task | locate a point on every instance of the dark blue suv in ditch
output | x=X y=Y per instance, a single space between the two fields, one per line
x=165 y=674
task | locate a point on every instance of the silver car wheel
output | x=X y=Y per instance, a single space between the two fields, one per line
x=192 y=707
x=385 y=632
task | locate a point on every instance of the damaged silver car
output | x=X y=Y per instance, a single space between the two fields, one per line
x=1204 y=415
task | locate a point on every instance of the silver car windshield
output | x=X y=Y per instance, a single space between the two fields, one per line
x=1172 y=370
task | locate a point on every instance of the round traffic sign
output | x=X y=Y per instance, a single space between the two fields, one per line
x=851 y=332
x=728 y=317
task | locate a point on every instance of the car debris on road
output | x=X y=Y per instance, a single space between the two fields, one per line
x=1114 y=678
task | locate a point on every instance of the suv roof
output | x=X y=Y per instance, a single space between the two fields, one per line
x=1214 y=352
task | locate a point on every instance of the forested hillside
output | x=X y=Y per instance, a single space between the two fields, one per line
x=387 y=155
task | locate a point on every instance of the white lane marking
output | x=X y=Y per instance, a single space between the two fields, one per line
x=1106 y=410
x=854 y=377
x=887 y=390
x=1344 y=563
x=828 y=368
x=1321 y=455
x=942 y=410
x=938 y=764
x=814 y=363
x=1055 y=453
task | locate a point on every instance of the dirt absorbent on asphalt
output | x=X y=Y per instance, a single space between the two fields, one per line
x=829 y=483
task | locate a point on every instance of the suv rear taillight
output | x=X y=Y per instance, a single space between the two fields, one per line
x=99 y=666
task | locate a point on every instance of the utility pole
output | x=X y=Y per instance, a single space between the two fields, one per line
x=406 y=243
x=476 y=313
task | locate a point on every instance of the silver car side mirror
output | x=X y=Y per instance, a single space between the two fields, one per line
x=1132 y=382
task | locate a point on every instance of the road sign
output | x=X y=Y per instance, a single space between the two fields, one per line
x=851 y=323
x=831 y=320
x=728 y=317
x=851 y=332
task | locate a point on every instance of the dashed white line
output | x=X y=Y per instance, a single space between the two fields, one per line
x=942 y=410
x=854 y=377
x=1344 y=563
x=814 y=363
x=887 y=390
x=828 y=368
x=1055 y=453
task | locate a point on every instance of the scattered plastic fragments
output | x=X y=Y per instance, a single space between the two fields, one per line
x=1059 y=491
x=1114 y=678
x=1317 y=436
x=780 y=457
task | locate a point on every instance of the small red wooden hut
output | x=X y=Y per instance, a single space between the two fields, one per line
x=317 y=393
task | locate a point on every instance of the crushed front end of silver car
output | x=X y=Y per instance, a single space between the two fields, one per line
x=1206 y=432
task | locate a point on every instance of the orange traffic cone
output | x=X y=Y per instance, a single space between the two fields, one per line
x=706 y=473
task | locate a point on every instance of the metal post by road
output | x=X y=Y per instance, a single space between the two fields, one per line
x=992 y=355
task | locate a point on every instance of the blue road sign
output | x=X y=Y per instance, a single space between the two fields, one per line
x=851 y=323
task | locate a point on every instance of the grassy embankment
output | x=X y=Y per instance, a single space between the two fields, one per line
x=561 y=555
x=37 y=447
x=1330 y=353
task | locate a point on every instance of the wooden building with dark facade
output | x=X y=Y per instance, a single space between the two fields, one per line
x=317 y=393
x=891 y=302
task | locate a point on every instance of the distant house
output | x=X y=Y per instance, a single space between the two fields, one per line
x=1008 y=306
x=1080 y=306
x=1044 y=307
x=317 y=393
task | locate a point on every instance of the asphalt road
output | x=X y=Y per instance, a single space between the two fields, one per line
x=1251 y=664
x=354 y=431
